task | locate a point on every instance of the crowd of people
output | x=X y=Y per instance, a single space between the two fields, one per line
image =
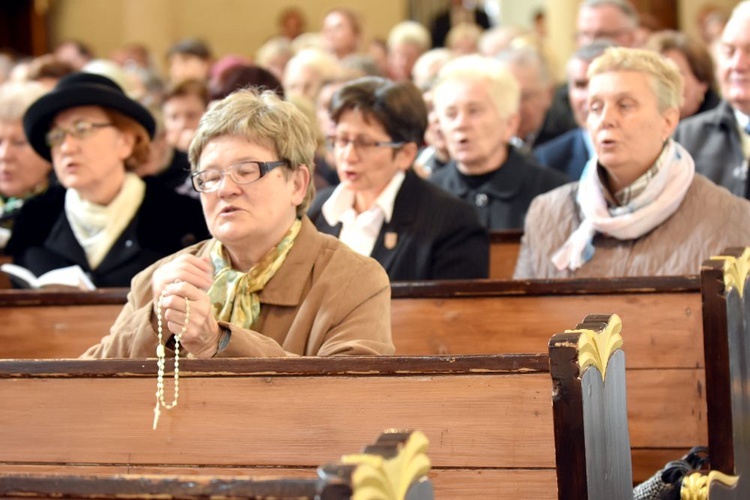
x=198 y=189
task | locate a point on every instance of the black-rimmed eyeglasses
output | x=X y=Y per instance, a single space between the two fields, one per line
x=209 y=180
x=360 y=144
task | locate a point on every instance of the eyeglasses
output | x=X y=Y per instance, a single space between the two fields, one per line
x=79 y=130
x=360 y=144
x=589 y=36
x=209 y=180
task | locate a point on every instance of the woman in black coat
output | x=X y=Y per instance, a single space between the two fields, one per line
x=103 y=217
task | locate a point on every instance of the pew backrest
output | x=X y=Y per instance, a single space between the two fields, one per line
x=488 y=418
x=396 y=466
x=505 y=246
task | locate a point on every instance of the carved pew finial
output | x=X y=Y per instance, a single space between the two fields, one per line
x=696 y=486
x=736 y=270
x=394 y=468
x=596 y=347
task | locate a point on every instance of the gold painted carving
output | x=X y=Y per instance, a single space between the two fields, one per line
x=595 y=348
x=377 y=478
x=696 y=485
x=736 y=270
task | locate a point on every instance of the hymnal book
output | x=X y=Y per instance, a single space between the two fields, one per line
x=71 y=276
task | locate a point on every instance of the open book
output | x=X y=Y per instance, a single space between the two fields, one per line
x=71 y=276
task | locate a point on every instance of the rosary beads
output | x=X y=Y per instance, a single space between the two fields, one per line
x=161 y=356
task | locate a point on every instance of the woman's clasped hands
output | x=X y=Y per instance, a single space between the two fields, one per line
x=187 y=278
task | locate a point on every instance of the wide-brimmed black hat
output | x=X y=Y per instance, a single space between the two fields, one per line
x=79 y=89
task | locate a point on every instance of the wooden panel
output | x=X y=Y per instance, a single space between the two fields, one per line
x=660 y=329
x=504 y=249
x=483 y=415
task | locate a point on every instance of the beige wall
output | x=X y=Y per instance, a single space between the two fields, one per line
x=241 y=26
x=232 y=26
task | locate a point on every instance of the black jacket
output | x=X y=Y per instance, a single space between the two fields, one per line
x=436 y=235
x=43 y=240
x=504 y=198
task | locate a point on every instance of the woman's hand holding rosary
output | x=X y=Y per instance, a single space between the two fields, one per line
x=187 y=278
x=181 y=303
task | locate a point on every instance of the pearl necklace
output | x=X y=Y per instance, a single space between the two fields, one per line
x=161 y=358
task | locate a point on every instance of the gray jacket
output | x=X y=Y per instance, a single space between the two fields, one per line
x=712 y=140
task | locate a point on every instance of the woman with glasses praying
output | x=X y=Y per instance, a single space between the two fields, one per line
x=267 y=283
x=102 y=217
x=382 y=208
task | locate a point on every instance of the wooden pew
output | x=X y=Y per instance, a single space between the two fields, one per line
x=664 y=338
x=482 y=317
x=726 y=320
x=587 y=366
x=396 y=462
x=488 y=418
x=505 y=246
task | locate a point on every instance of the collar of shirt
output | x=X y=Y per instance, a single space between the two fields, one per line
x=742 y=123
x=342 y=201
x=360 y=231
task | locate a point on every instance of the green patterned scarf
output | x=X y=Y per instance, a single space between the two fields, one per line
x=233 y=294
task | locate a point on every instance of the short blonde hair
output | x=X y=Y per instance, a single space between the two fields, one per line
x=665 y=76
x=16 y=97
x=502 y=86
x=263 y=118
x=410 y=32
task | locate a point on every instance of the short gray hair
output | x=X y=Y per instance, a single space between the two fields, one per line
x=664 y=74
x=263 y=118
x=623 y=5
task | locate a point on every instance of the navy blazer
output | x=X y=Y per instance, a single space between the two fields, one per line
x=43 y=240
x=713 y=141
x=567 y=153
x=431 y=235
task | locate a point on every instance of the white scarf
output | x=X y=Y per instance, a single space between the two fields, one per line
x=659 y=200
x=97 y=227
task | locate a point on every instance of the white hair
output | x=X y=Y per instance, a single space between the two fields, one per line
x=501 y=85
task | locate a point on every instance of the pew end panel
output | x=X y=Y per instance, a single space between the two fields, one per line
x=726 y=313
x=587 y=366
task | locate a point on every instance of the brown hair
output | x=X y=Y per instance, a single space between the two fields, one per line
x=142 y=143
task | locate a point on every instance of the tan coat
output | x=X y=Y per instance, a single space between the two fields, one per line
x=709 y=219
x=324 y=300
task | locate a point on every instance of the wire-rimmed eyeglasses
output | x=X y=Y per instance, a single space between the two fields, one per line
x=209 y=180
x=79 y=130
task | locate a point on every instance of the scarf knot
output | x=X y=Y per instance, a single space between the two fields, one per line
x=661 y=198
x=235 y=295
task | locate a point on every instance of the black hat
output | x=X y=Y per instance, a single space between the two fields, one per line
x=79 y=89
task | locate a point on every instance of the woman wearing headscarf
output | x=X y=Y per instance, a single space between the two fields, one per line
x=103 y=217
x=639 y=209
x=267 y=283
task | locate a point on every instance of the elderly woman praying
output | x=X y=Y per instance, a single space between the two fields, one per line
x=267 y=283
